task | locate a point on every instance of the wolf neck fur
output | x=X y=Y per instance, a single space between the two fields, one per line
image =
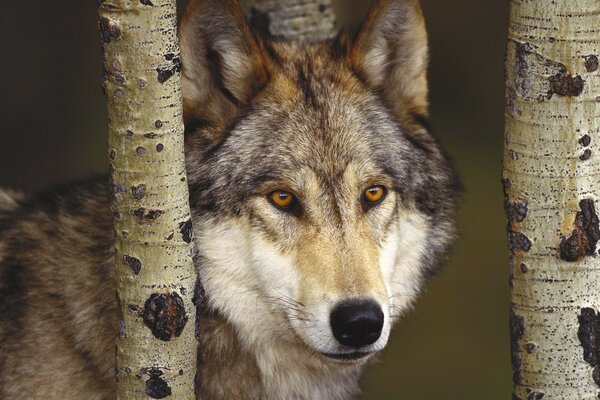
x=233 y=369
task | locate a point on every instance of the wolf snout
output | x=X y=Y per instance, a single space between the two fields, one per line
x=357 y=323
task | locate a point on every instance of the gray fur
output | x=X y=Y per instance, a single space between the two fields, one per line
x=310 y=111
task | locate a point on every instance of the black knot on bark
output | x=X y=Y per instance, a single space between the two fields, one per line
x=518 y=242
x=109 y=30
x=138 y=192
x=535 y=396
x=516 y=210
x=156 y=387
x=583 y=240
x=585 y=140
x=145 y=215
x=133 y=263
x=186 y=231
x=564 y=84
x=165 y=315
x=589 y=337
x=517 y=330
x=591 y=63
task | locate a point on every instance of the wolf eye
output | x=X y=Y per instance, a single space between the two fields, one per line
x=282 y=200
x=373 y=196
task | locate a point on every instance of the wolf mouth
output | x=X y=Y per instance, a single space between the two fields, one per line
x=348 y=357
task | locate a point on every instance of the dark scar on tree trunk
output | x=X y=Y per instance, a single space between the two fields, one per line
x=517 y=330
x=591 y=63
x=145 y=215
x=156 y=386
x=585 y=236
x=109 y=30
x=585 y=140
x=518 y=242
x=134 y=263
x=186 y=231
x=589 y=337
x=516 y=211
x=564 y=84
x=164 y=74
x=535 y=396
x=165 y=315
x=138 y=192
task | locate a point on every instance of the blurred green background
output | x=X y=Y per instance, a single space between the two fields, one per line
x=455 y=344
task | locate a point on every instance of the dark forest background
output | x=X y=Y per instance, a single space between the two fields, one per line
x=455 y=344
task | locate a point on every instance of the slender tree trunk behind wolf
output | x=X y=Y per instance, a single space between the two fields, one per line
x=156 y=344
x=299 y=20
x=552 y=188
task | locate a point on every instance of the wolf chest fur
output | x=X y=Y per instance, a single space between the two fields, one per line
x=321 y=204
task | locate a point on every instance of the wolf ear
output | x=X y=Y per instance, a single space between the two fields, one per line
x=223 y=63
x=391 y=54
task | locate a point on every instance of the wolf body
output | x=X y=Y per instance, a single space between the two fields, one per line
x=300 y=295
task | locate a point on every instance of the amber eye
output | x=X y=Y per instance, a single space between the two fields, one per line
x=373 y=196
x=282 y=199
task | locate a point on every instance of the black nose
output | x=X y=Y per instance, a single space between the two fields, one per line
x=357 y=323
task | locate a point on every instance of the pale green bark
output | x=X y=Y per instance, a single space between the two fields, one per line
x=552 y=183
x=300 y=20
x=156 y=345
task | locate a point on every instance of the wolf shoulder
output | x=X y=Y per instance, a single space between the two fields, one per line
x=56 y=292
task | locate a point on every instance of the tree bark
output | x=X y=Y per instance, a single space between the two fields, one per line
x=552 y=188
x=299 y=20
x=156 y=345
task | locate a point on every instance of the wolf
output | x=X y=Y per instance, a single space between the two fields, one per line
x=321 y=205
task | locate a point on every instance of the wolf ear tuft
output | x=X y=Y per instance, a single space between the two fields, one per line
x=223 y=63
x=391 y=54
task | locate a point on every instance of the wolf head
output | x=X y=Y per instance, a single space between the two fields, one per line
x=321 y=202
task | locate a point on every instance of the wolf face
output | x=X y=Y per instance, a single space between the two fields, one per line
x=321 y=202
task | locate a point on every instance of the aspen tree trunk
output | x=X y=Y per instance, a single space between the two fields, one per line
x=156 y=345
x=552 y=187
x=300 y=20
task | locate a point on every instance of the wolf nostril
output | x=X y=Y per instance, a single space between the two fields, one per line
x=357 y=323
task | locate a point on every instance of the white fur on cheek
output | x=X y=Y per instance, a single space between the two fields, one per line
x=243 y=277
x=401 y=262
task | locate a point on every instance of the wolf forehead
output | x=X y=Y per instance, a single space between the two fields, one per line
x=313 y=112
